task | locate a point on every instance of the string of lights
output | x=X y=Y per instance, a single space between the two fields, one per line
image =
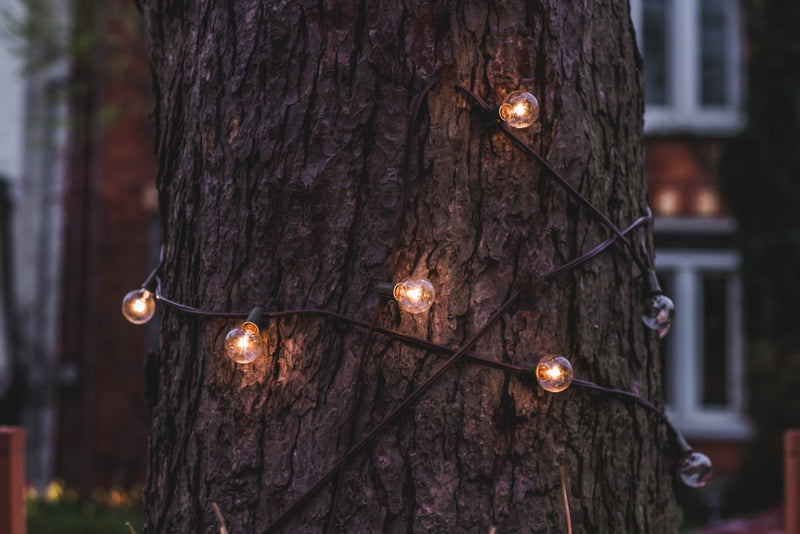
x=245 y=343
x=553 y=373
x=521 y=110
x=550 y=372
x=433 y=347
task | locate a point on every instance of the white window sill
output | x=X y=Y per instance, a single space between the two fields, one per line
x=710 y=424
x=701 y=122
x=694 y=225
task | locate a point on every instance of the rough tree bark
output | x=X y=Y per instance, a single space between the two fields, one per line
x=281 y=136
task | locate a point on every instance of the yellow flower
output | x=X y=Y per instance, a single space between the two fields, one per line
x=54 y=491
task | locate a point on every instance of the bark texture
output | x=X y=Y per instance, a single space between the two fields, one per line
x=281 y=135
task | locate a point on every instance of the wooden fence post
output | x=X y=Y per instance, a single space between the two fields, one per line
x=791 y=480
x=12 y=480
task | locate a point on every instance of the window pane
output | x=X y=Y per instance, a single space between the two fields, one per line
x=714 y=51
x=656 y=15
x=715 y=346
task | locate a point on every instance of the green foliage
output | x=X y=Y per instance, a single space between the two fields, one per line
x=40 y=33
x=58 y=510
x=94 y=40
x=46 y=32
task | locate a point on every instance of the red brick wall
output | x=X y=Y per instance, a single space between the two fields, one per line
x=102 y=428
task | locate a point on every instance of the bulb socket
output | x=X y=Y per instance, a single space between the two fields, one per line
x=491 y=115
x=256 y=317
x=151 y=282
x=684 y=446
x=652 y=286
x=385 y=289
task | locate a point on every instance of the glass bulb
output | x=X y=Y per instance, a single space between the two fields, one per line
x=138 y=306
x=414 y=295
x=520 y=109
x=243 y=344
x=659 y=311
x=554 y=373
x=696 y=470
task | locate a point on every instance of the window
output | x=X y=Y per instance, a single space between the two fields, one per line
x=692 y=57
x=702 y=354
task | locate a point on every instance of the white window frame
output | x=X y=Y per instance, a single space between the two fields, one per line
x=685 y=354
x=686 y=112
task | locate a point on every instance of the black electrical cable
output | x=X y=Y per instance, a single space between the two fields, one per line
x=560 y=180
x=348 y=433
x=392 y=415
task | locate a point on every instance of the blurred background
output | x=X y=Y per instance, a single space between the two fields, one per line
x=79 y=228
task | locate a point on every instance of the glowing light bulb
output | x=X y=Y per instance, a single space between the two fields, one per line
x=520 y=109
x=244 y=344
x=695 y=469
x=658 y=311
x=414 y=295
x=139 y=306
x=554 y=373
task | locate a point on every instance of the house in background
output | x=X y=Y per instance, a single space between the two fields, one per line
x=693 y=53
x=30 y=143
x=82 y=217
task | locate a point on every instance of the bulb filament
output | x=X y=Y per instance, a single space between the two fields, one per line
x=414 y=294
x=555 y=372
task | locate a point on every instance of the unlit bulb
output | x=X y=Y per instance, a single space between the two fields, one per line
x=554 y=373
x=658 y=310
x=414 y=295
x=658 y=313
x=139 y=306
x=695 y=469
x=520 y=109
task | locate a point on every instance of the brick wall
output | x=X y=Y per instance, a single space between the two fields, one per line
x=102 y=429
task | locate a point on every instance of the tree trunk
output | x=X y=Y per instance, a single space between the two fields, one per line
x=281 y=140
